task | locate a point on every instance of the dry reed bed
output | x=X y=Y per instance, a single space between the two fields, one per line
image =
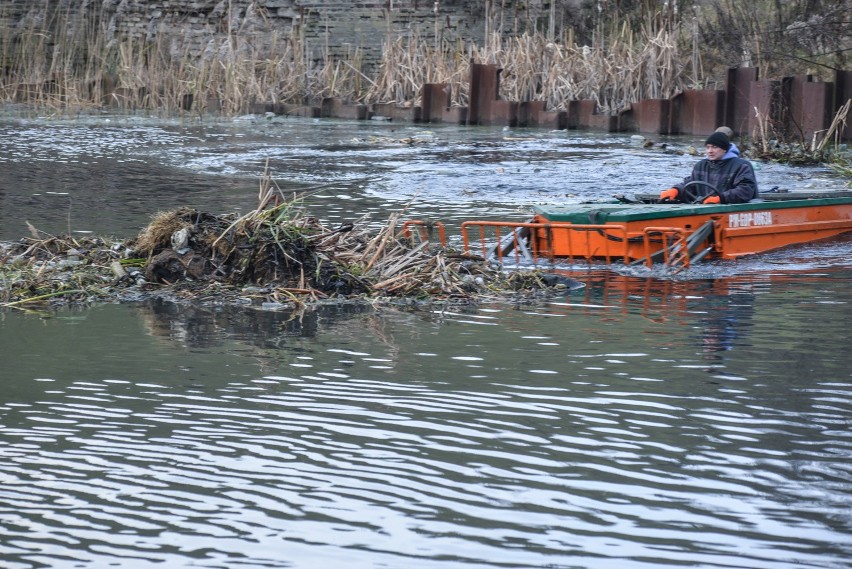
x=61 y=59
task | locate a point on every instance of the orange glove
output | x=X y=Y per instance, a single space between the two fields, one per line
x=712 y=199
x=669 y=195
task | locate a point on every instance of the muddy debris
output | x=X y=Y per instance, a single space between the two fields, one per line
x=274 y=256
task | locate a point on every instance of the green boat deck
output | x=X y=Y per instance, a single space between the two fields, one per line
x=600 y=213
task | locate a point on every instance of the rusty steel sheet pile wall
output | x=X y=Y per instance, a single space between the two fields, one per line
x=797 y=107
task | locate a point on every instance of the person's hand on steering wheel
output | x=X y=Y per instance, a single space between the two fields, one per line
x=669 y=195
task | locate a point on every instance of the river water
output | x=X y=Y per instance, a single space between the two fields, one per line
x=639 y=422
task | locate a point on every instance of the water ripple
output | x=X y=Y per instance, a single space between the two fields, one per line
x=366 y=463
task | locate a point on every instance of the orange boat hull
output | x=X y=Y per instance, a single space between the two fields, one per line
x=735 y=233
x=674 y=234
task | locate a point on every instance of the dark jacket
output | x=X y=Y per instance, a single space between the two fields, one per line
x=733 y=178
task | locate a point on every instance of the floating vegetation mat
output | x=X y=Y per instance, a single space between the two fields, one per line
x=276 y=256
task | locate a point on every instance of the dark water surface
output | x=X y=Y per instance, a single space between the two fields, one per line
x=702 y=421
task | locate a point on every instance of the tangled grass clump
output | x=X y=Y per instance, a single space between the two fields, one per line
x=276 y=252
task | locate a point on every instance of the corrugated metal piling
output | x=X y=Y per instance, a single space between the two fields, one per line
x=796 y=106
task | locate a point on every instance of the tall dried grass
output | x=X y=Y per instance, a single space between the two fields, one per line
x=58 y=58
x=630 y=68
x=410 y=62
x=44 y=56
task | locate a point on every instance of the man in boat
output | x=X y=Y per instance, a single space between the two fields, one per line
x=722 y=177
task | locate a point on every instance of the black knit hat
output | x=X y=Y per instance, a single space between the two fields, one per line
x=719 y=139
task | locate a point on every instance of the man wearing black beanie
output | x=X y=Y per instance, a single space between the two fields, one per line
x=719 y=140
x=717 y=178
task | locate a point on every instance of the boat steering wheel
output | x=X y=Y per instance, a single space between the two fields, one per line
x=691 y=196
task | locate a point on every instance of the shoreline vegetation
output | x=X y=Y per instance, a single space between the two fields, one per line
x=70 y=56
x=276 y=257
x=69 y=61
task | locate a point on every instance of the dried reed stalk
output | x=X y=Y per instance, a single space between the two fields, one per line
x=761 y=130
x=838 y=125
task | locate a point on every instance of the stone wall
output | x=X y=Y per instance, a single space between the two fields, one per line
x=327 y=27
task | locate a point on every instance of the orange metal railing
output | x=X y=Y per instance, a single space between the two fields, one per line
x=533 y=241
x=548 y=240
x=673 y=252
